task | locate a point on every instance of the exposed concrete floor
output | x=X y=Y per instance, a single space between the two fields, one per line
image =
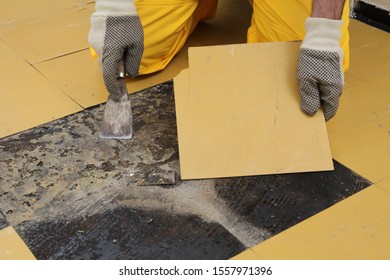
x=71 y=195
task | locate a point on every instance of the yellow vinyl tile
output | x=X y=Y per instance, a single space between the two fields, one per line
x=381 y=81
x=359 y=134
x=91 y=6
x=350 y=80
x=49 y=37
x=385 y=184
x=78 y=75
x=358 y=27
x=84 y=1
x=355 y=228
x=12 y=246
x=371 y=37
x=236 y=119
x=27 y=99
x=370 y=54
x=367 y=63
x=246 y=255
x=146 y=81
x=17 y=10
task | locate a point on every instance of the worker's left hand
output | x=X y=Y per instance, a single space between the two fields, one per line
x=117 y=37
x=319 y=72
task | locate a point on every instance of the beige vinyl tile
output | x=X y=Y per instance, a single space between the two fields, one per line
x=12 y=246
x=366 y=36
x=357 y=27
x=359 y=134
x=242 y=119
x=17 y=10
x=27 y=99
x=50 y=36
x=385 y=184
x=370 y=61
x=350 y=81
x=381 y=81
x=78 y=75
x=370 y=54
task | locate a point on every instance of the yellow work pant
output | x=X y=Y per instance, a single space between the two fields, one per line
x=168 y=23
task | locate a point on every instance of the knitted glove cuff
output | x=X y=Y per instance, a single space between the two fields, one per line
x=115 y=8
x=322 y=34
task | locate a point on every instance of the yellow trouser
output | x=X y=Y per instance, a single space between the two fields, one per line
x=168 y=23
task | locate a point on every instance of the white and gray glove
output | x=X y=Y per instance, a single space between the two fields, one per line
x=320 y=73
x=117 y=37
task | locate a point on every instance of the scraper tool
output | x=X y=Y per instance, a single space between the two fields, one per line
x=117 y=122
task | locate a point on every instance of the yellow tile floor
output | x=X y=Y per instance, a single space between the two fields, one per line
x=12 y=246
x=40 y=85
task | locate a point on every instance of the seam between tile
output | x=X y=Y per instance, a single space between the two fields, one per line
x=62 y=91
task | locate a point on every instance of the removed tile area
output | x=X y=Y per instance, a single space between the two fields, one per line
x=71 y=195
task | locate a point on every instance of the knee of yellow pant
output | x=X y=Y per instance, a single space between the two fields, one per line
x=167 y=25
x=205 y=10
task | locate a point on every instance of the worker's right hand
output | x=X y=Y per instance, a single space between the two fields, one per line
x=320 y=72
x=116 y=35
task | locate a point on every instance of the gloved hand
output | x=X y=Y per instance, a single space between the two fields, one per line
x=116 y=35
x=320 y=73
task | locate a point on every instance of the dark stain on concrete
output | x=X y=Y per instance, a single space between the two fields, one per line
x=3 y=221
x=131 y=234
